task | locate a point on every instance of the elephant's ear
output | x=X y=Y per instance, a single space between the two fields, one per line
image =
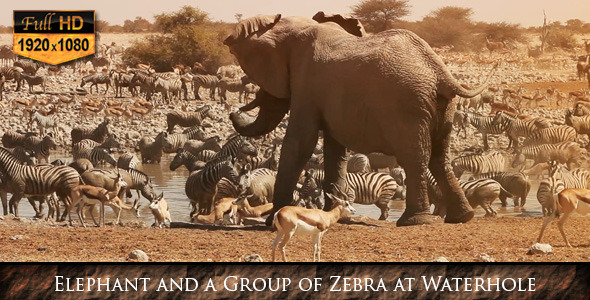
x=347 y=22
x=251 y=26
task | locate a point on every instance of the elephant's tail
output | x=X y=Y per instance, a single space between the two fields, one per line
x=455 y=88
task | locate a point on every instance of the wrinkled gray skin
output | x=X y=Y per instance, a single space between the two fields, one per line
x=387 y=92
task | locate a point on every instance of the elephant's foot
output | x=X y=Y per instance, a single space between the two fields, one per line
x=460 y=215
x=409 y=218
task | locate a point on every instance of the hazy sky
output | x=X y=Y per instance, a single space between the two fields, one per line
x=525 y=12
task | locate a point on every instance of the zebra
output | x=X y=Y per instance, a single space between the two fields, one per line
x=258 y=184
x=100 y=62
x=435 y=195
x=151 y=151
x=367 y=188
x=25 y=156
x=576 y=179
x=580 y=124
x=121 y=80
x=12 y=139
x=547 y=191
x=482 y=192
x=32 y=81
x=516 y=183
x=96 y=155
x=257 y=162
x=188 y=119
x=201 y=185
x=44 y=121
x=477 y=164
x=485 y=125
x=551 y=135
x=12 y=73
x=194 y=146
x=128 y=161
x=98 y=134
x=358 y=163
x=28 y=67
x=175 y=88
x=237 y=146
x=226 y=189
x=6 y=55
x=109 y=142
x=24 y=180
x=40 y=147
x=173 y=142
x=566 y=153
x=581 y=109
x=96 y=79
x=187 y=159
x=206 y=81
x=516 y=128
x=232 y=85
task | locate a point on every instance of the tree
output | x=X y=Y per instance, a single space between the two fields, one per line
x=449 y=25
x=574 y=25
x=101 y=26
x=380 y=15
x=186 y=16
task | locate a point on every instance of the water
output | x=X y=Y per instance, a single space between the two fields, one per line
x=171 y=183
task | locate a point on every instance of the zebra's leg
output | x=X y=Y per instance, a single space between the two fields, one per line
x=14 y=203
x=384 y=207
x=4 y=197
x=335 y=162
x=485 y=141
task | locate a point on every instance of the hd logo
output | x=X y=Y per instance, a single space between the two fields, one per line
x=54 y=37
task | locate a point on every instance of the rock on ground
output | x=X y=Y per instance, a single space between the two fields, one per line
x=538 y=248
x=138 y=255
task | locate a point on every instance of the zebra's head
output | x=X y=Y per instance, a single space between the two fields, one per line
x=247 y=148
x=49 y=142
x=178 y=159
x=498 y=118
x=244 y=178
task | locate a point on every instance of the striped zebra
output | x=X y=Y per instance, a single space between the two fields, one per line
x=173 y=142
x=12 y=73
x=576 y=179
x=201 y=185
x=41 y=147
x=477 y=164
x=188 y=119
x=28 y=67
x=226 y=189
x=367 y=188
x=358 y=163
x=98 y=134
x=44 y=121
x=146 y=81
x=11 y=139
x=565 y=153
x=32 y=81
x=516 y=128
x=237 y=146
x=121 y=80
x=109 y=142
x=151 y=150
x=234 y=85
x=175 y=88
x=23 y=155
x=516 y=183
x=24 y=180
x=97 y=155
x=187 y=159
x=581 y=109
x=205 y=81
x=435 y=195
x=96 y=79
x=258 y=184
x=194 y=146
x=128 y=161
x=482 y=192
x=547 y=192
x=580 y=124
x=551 y=135
x=485 y=125
x=257 y=162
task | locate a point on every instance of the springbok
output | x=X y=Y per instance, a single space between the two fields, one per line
x=294 y=220
x=568 y=201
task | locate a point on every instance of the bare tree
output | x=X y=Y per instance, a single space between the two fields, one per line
x=380 y=15
x=544 y=32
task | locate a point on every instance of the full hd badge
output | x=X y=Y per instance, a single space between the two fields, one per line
x=54 y=37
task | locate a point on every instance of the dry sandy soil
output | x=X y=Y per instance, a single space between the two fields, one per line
x=504 y=239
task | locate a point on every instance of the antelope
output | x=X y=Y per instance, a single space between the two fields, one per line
x=568 y=201
x=295 y=220
x=140 y=111
x=159 y=208
x=86 y=109
x=244 y=210
x=223 y=207
x=17 y=103
x=95 y=195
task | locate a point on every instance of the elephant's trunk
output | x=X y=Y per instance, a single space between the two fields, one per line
x=272 y=111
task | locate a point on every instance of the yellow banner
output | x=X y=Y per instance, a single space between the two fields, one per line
x=53 y=48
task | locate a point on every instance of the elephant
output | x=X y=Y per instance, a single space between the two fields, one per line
x=387 y=92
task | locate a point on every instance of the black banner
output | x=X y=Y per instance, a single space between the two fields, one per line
x=338 y=281
x=47 y=21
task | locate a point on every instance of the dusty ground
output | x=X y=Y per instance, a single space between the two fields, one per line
x=504 y=239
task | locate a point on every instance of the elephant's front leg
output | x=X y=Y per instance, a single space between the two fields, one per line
x=335 y=167
x=300 y=140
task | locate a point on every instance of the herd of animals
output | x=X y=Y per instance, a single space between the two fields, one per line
x=232 y=177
